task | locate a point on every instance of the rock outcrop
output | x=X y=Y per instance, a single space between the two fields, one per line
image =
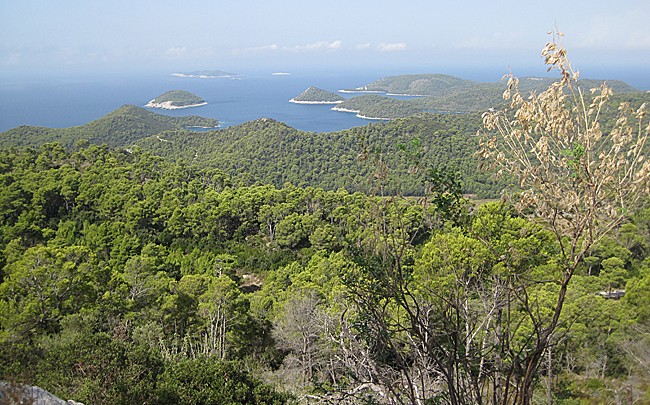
x=15 y=394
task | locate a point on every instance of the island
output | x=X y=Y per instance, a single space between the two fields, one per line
x=207 y=74
x=176 y=99
x=314 y=95
x=413 y=85
x=400 y=96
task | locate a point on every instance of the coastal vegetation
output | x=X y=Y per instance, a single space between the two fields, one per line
x=416 y=85
x=262 y=264
x=314 y=95
x=176 y=99
x=373 y=106
x=270 y=152
x=444 y=93
x=121 y=127
x=443 y=85
x=265 y=151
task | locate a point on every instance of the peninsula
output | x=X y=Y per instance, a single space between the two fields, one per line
x=176 y=99
x=314 y=95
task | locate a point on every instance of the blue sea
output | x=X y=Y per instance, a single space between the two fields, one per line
x=65 y=102
x=69 y=101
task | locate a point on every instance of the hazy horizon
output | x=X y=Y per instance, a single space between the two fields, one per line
x=119 y=37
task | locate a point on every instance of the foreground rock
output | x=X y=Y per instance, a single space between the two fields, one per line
x=11 y=394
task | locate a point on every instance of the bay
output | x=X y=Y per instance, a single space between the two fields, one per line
x=62 y=102
x=65 y=102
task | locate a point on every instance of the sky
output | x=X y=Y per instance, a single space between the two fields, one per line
x=58 y=36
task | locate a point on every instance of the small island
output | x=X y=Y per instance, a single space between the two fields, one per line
x=207 y=74
x=176 y=99
x=314 y=95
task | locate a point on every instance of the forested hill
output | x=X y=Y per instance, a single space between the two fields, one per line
x=451 y=94
x=423 y=84
x=121 y=127
x=126 y=279
x=314 y=95
x=269 y=152
x=440 y=85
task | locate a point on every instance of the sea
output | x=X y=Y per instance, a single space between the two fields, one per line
x=61 y=102
x=71 y=101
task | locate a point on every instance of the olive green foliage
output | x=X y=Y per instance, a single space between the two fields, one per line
x=126 y=278
x=268 y=152
x=424 y=84
x=374 y=106
x=205 y=381
x=451 y=94
x=121 y=127
x=314 y=94
x=178 y=98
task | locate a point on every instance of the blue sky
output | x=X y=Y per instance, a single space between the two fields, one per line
x=243 y=35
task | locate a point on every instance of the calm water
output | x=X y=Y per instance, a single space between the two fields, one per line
x=65 y=102
x=69 y=102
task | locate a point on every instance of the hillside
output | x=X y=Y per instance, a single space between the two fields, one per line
x=126 y=279
x=121 y=127
x=269 y=152
x=175 y=99
x=440 y=85
x=374 y=106
x=424 y=84
x=314 y=95
x=445 y=93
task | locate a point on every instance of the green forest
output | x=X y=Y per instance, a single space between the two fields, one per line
x=177 y=98
x=449 y=94
x=121 y=127
x=259 y=264
x=316 y=95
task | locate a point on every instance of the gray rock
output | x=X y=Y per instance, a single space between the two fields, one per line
x=18 y=394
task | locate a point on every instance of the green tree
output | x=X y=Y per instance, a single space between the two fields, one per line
x=42 y=287
x=206 y=380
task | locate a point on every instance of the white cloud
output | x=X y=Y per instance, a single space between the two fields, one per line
x=367 y=45
x=316 y=46
x=256 y=49
x=310 y=47
x=391 y=47
x=176 y=52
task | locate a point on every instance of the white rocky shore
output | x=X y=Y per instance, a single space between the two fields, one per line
x=358 y=113
x=169 y=105
x=315 y=102
x=361 y=91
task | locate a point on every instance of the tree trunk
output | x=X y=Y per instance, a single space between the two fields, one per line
x=549 y=378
